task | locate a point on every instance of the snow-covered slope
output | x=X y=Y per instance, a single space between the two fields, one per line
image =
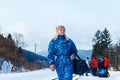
x=46 y=74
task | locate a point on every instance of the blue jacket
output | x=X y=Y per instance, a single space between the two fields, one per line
x=60 y=47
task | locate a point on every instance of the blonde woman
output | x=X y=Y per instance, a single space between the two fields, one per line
x=61 y=52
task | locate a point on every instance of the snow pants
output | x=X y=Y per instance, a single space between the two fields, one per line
x=64 y=68
x=94 y=71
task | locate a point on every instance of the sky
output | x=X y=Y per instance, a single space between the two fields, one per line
x=36 y=20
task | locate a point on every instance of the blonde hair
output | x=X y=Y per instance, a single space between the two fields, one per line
x=57 y=28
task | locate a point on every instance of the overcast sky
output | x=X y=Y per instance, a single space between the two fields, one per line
x=36 y=20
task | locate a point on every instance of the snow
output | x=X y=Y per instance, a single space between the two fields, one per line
x=46 y=74
x=6 y=67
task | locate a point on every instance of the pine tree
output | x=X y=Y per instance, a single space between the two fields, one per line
x=9 y=36
x=105 y=42
x=96 y=47
x=102 y=42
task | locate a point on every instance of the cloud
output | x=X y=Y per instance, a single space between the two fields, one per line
x=37 y=20
x=20 y=27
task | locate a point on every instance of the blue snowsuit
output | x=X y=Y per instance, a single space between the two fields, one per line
x=59 y=52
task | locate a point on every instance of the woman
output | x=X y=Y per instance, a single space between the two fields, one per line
x=61 y=52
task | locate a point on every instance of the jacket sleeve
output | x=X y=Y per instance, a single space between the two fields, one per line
x=51 y=56
x=73 y=48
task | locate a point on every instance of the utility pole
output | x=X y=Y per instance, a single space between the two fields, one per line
x=35 y=47
x=35 y=53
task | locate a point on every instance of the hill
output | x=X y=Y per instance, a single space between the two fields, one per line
x=82 y=53
x=31 y=57
x=17 y=58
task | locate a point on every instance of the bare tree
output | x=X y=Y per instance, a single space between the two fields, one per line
x=117 y=56
x=19 y=40
x=114 y=55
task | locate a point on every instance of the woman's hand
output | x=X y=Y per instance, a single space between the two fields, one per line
x=72 y=57
x=52 y=67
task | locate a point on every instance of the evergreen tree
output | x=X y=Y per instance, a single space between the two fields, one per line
x=9 y=36
x=105 y=42
x=96 y=45
x=102 y=42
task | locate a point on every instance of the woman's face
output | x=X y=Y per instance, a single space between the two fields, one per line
x=61 y=31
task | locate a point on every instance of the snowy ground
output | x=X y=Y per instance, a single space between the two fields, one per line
x=46 y=74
